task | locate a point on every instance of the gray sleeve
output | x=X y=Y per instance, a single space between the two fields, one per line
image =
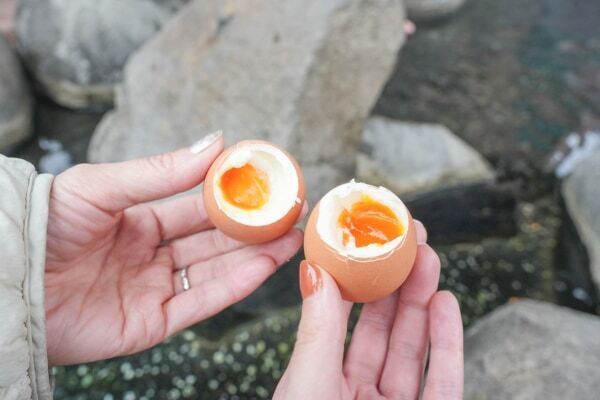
x=23 y=217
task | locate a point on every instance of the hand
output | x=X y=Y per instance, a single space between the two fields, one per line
x=386 y=357
x=112 y=278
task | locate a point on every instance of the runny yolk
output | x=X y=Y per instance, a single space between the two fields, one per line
x=246 y=187
x=369 y=222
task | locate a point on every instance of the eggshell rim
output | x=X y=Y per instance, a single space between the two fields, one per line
x=211 y=205
x=350 y=262
x=383 y=256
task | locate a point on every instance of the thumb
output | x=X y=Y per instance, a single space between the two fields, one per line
x=319 y=350
x=116 y=186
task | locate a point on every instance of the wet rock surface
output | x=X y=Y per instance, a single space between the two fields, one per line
x=466 y=213
x=581 y=191
x=245 y=364
x=302 y=75
x=409 y=158
x=533 y=350
x=77 y=49
x=15 y=99
x=508 y=78
x=486 y=274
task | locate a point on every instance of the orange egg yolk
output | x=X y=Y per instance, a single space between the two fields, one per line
x=246 y=187
x=369 y=222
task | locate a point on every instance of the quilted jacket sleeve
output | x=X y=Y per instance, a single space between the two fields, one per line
x=23 y=216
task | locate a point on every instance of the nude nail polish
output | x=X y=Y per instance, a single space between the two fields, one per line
x=310 y=279
x=205 y=142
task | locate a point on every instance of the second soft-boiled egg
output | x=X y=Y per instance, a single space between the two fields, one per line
x=254 y=191
x=365 y=237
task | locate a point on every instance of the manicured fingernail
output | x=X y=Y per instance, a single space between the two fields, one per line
x=205 y=142
x=310 y=279
x=419 y=225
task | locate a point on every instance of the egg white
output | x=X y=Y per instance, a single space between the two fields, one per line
x=343 y=197
x=283 y=184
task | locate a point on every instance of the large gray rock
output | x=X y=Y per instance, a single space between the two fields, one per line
x=303 y=74
x=77 y=49
x=420 y=10
x=581 y=192
x=15 y=99
x=410 y=158
x=532 y=350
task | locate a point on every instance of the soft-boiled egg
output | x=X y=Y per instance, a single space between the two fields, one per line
x=254 y=191
x=365 y=237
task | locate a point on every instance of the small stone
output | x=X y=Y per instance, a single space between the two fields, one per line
x=533 y=350
x=421 y=10
x=581 y=192
x=77 y=49
x=15 y=99
x=409 y=158
x=303 y=75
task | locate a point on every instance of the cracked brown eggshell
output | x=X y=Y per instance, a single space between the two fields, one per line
x=366 y=279
x=258 y=232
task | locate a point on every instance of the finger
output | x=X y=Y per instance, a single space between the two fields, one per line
x=319 y=348
x=202 y=246
x=116 y=186
x=185 y=216
x=421 y=232
x=403 y=369
x=206 y=298
x=181 y=217
x=368 y=349
x=279 y=250
x=211 y=243
x=445 y=375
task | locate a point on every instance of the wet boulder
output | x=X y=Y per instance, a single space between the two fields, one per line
x=303 y=74
x=581 y=191
x=411 y=158
x=76 y=49
x=533 y=350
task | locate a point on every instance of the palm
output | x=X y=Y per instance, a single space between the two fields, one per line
x=112 y=269
x=112 y=263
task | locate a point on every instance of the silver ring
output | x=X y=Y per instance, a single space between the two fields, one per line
x=185 y=282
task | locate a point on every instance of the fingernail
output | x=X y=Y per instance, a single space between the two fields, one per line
x=310 y=279
x=205 y=142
